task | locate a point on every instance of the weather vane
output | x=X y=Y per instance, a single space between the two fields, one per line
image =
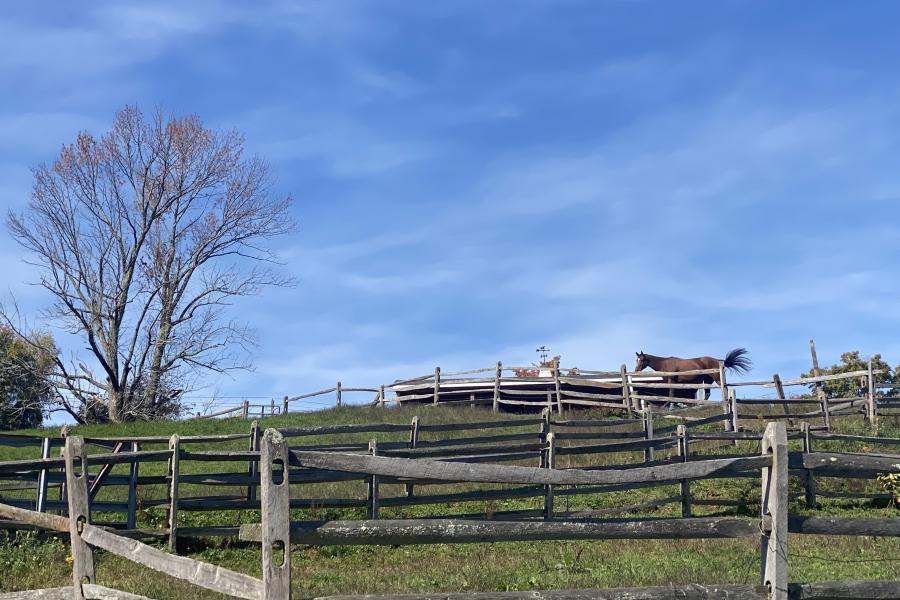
x=544 y=352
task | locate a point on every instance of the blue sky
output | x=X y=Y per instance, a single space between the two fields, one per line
x=475 y=179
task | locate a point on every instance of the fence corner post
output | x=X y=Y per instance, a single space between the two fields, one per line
x=497 y=377
x=79 y=512
x=284 y=405
x=276 y=516
x=174 y=467
x=337 y=394
x=774 y=509
x=245 y=409
x=437 y=385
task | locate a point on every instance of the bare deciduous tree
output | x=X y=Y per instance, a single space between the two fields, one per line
x=143 y=237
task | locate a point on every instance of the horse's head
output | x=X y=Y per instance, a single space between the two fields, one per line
x=642 y=361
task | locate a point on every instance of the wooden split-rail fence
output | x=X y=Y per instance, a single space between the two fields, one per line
x=172 y=474
x=280 y=466
x=506 y=388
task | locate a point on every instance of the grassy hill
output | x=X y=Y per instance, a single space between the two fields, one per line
x=30 y=561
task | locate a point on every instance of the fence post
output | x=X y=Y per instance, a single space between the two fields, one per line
x=548 y=489
x=275 y=499
x=413 y=441
x=337 y=394
x=779 y=391
x=542 y=434
x=809 y=481
x=437 y=384
x=284 y=405
x=872 y=409
x=648 y=432
x=820 y=390
x=79 y=512
x=825 y=407
x=381 y=396
x=245 y=409
x=733 y=408
x=497 y=376
x=685 y=484
x=723 y=388
x=626 y=390
x=774 y=506
x=559 y=406
x=175 y=447
x=41 y=500
x=63 y=433
x=372 y=492
x=133 y=473
x=252 y=465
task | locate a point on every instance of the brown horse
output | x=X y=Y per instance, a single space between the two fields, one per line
x=736 y=360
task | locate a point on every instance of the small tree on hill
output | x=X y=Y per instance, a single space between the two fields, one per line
x=851 y=361
x=25 y=366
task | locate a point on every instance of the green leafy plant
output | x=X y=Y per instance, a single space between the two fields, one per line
x=890 y=482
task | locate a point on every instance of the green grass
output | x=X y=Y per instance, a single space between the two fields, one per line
x=30 y=561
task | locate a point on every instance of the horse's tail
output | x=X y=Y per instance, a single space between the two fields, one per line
x=738 y=361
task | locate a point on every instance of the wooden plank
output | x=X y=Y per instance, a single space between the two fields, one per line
x=854 y=526
x=454 y=471
x=509 y=423
x=79 y=513
x=42 y=520
x=773 y=543
x=629 y=446
x=862 y=465
x=456 y=531
x=350 y=428
x=595 y=423
x=59 y=593
x=211 y=577
x=105 y=470
x=99 y=592
x=672 y=592
x=41 y=504
x=275 y=528
x=846 y=590
x=487 y=439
